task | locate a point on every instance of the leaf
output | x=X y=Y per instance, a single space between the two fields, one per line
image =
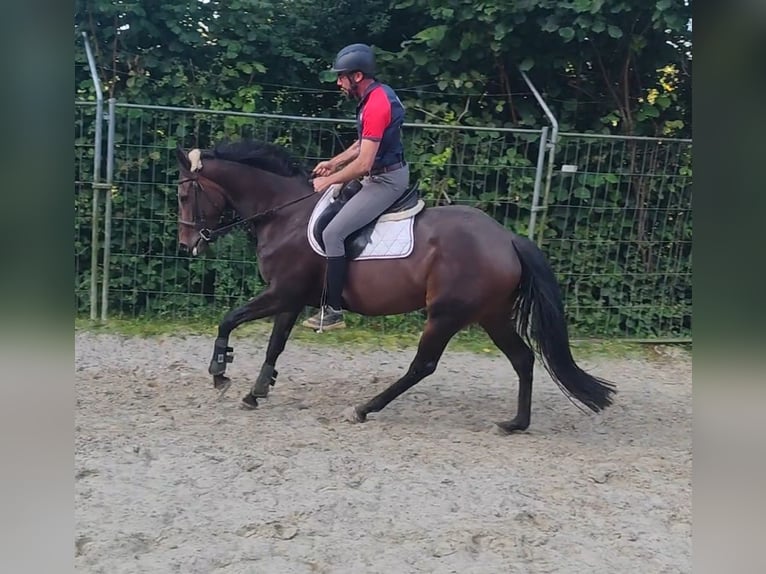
x=327 y=76
x=500 y=31
x=567 y=33
x=550 y=24
x=419 y=58
x=433 y=34
x=614 y=31
x=526 y=64
x=647 y=111
x=651 y=111
x=583 y=22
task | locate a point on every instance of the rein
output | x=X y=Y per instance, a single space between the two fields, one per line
x=210 y=234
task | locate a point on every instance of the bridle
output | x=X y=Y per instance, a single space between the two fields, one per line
x=198 y=218
x=207 y=234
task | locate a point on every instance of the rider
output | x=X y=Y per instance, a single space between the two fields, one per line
x=377 y=156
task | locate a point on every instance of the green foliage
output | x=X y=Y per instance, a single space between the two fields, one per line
x=599 y=62
x=604 y=66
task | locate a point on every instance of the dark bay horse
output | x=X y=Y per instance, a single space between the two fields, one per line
x=465 y=269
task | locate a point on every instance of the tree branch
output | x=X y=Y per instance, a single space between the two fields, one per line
x=608 y=83
x=626 y=93
x=505 y=82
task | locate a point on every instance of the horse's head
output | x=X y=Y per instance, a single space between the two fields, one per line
x=239 y=182
x=201 y=203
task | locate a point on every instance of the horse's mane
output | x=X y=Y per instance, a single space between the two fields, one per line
x=263 y=155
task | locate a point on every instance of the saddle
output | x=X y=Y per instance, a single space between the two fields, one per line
x=358 y=240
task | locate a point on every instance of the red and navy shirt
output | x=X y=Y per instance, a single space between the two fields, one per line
x=379 y=117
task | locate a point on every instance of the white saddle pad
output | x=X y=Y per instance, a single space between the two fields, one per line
x=391 y=239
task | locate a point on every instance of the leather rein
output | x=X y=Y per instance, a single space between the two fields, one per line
x=209 y=235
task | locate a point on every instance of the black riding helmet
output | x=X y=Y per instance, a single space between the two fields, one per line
x=355 y=58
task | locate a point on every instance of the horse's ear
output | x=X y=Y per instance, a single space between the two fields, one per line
x=183 y=158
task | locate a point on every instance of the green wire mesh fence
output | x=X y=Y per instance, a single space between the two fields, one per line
x=614 y=218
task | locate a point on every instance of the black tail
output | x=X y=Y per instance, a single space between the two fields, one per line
x=540 y=321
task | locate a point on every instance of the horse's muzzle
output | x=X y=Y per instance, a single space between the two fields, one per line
x=195 y=248
x=200 y=246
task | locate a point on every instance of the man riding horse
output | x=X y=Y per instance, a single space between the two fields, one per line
x=377 y=156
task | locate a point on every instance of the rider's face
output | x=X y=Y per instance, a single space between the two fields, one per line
x=345 y=84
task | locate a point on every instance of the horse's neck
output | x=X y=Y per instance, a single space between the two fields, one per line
x=289 y=199
x=254 y=190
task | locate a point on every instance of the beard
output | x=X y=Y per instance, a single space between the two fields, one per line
x=351 y=93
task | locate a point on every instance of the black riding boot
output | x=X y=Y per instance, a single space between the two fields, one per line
x=330 y=316
x=336 y=279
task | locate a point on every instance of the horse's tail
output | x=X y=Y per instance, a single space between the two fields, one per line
x=539 y=316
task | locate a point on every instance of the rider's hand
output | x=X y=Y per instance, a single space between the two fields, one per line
x=324 y=168
x=321 y=184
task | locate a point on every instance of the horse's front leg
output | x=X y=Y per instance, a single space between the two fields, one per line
x=266 y=304
x=283 y=325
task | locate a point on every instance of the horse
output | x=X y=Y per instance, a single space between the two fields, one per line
x=465 y=268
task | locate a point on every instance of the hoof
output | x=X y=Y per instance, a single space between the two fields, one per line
x=354 y=415
x=221 y=383
x=249 y=402
x=509 y=427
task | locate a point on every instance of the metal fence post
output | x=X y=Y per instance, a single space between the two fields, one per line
x=108 y=209
x=548 y=180
x=538 y=181
x=551 y=146
x=96 y=182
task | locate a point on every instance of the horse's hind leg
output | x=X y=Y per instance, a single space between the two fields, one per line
x=503 y=334
x=436 y=334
